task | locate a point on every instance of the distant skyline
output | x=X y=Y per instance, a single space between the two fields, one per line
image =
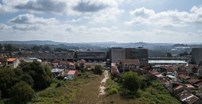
x=123 y=21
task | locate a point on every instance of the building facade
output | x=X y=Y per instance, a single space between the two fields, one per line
x=137 y=53
x=117 y=54
x=91 y=56
x=197 y=55
x=50 y=56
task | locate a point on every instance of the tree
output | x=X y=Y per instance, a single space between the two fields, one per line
x=22 y=93
x=8 y=47
x=8 y=78
x=1 y=47
x=130 y=82
x=27 y=78
x=36 y=48
x=98 y=69
x=41 y=74
x=60 y=49
x=168 y=54
x=46 y=48
x=184 y=53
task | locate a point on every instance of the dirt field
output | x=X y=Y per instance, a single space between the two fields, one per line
x=88 y=93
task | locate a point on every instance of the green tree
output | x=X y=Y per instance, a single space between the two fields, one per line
x=98 y=69
x=36 y=48
x=168 y=54
x=184 y=53
x=130 y=82
x=41 y=74
x=27 y=78
x=1 y=47
x=22 y=93
x=8 y=47
x=60 y=49
x=46 y=48
x=8 y=78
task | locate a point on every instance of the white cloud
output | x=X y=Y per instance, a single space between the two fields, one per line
x=142 y=12
x=165 y=18
x=8 y=5
x=3 y=26
x=31 y=19
x=43 y=6
x=24 y=27
x=62 y=7
x=107 y=15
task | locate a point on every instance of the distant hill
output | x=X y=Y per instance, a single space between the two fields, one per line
x=33 y=42
x=93 y=45
x=90 y=44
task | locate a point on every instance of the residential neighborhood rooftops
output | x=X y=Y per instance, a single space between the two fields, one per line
x=57 y=70
x=167 y=62
x=72 y=72
x=178 y=87
x=11 y=59
x=193 y=80
x=187 y=97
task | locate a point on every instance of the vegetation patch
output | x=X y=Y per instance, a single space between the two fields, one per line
x=147 y=91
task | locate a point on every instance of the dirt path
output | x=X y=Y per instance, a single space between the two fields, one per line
x=87 y=93
x=102 y=87
x=93 y=91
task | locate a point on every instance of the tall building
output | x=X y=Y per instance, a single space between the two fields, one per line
x=117 y=54
x=197 y=55
x=137 y=53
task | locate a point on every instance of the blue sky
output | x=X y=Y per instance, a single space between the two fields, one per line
x=155 y=21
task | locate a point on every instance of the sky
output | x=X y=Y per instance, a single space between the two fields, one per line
x=123 y=21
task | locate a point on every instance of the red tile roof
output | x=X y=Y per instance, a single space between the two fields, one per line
x=72 y=72
x=11 y=59
x=193 y=80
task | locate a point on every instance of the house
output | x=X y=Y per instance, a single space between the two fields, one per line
x=177 y=88
x=71 y=74
x=13 y=62
x=56 y=72
x=189 y=86
x=31 y=59
x=199 y=73
x=128 y=64
x=193 y=81
x=71 y=65
x=192 y=69
x=188 y=98
x=63 y=64
x=155 y=74
x=81 y=64
x=183 y=77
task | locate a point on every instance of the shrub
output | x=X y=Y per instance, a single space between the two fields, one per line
x=130 y=82
x=113 y=90
x=8 y=78
x=98 y=69
x=22 y=93
x=41 y=74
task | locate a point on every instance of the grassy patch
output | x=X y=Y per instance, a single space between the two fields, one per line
x=112 y=87
x=63 y=92
x=153 y=94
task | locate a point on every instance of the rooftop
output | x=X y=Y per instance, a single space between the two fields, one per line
x=71 y=72
x=167 y=62
x=11 y=59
